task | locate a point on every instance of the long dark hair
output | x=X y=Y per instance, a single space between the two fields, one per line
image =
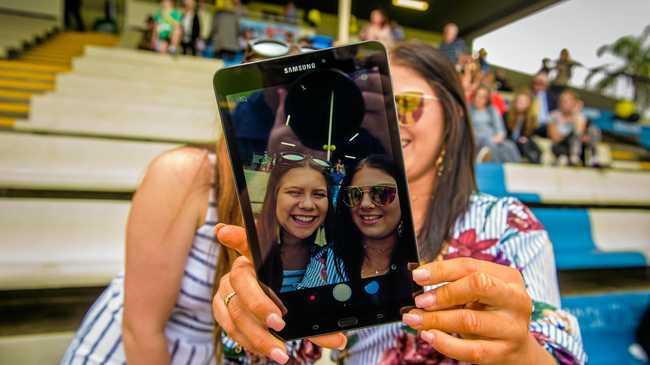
x=268 y=227
x=348 y=244
x=457 y=183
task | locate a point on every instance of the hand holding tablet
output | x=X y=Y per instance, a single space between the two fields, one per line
x=314 y=145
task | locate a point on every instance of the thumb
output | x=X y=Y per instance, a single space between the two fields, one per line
x=332 y=341
x=233 y=237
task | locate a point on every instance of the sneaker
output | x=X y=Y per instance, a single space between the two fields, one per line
x=562 y=160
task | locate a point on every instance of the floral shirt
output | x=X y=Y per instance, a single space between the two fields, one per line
x=500 y=230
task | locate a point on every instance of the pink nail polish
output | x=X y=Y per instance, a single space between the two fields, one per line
x=421 y=275
x=412 y=319
x=427 y=336
x=275 y=322
x=425 y=300
x=279 y=356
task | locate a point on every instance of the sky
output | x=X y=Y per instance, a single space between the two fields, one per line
x=582 y=26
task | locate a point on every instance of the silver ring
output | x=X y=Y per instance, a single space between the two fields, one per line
x=228 y=298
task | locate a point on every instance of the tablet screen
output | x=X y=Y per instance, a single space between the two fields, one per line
x=315 y=148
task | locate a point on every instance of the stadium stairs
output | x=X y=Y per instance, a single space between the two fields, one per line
x=85 y=119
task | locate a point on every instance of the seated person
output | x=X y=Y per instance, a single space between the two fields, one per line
x=521 y=123
x=168 y=27
x=574 y=139
x=489 y=131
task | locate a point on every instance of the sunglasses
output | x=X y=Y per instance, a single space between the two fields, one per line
x=380 y=195
x=293 y=157
x=410 y=106
x=269 y=48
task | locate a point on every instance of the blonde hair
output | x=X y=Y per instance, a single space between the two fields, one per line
x=530 y=117
x=229 y=212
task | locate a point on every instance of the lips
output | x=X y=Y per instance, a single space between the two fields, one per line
x=405 y=142
x=370 y=219
x=303 y=220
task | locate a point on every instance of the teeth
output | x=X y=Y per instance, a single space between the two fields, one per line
x=304 y=218
x=405 y=143
x=370 y=217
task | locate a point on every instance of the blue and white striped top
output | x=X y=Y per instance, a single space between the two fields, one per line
x=190 y=327
x=503 y=231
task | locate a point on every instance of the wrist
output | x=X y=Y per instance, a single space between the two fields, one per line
x=532 y=352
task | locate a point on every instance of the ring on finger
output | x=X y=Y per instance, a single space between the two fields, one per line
x=228 y=298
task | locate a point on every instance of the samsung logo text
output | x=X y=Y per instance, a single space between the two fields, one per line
x=298 y=68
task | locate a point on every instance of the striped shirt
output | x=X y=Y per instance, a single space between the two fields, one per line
x=189 y=329
x=503 y=231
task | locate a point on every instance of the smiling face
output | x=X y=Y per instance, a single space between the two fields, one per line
x=374 y=221
x=421 y=140
x=302 y=202
x=522 y=102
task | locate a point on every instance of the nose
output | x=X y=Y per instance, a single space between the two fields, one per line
x=366 y=202
x=306 y=203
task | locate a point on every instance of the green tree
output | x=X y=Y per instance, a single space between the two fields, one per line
x=634 y=52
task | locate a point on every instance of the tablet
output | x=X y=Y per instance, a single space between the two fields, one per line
x=316 y=155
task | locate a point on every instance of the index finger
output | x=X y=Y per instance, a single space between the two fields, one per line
x=233 y=237
x=454 y=269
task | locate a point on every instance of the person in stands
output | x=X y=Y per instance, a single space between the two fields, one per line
x=191 y=28
x=452 y=45
x=378 y=29
x=521 y=123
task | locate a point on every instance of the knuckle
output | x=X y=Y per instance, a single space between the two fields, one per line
x=481 y=282
x=470 y=321
x=477 y=354
x=224 y=282
x=258 y=307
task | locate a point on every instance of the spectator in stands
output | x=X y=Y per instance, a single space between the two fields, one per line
x=397 y=31
x=574 y=139
x=168 y=27
x=482 y=61
x=378 y=29
x=72 y=13
x=291 y=13
x=502 y=80
x=498 y=102
x=146 y=41
x=470 y=75
x=543 y=103
x=191 y=28
x=489 y=131
x=205 y=21
x=521 y=123
x=452 y=45
x=493 y=244
x=546 y=66
x=564 y=68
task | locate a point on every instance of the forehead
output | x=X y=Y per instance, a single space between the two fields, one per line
x=303 y=177
x=371 y=176
x=407 y=79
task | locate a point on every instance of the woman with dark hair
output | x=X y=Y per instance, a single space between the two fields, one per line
x=293 y=225
x=500 y=303
x=521 y=123
x=369 y=219
x=378 y=29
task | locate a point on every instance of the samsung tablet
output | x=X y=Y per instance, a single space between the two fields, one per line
x=315 y=150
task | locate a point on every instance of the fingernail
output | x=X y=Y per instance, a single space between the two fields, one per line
x=279 y=356
x=412 y=266
x=427 y=336
x=425 y=300
x=413 y=320
x=421 y=275
x=406 y=309
x=343 y=345
x=218 y=227
x=275 y=321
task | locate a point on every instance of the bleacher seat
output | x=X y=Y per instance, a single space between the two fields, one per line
x=147 y=58
x=30 y=161
x=597 y=238
x=18 y=31
x=565 y=185
x=608 y=323
x=106 y=118
x=52 y=243
x=21 y=349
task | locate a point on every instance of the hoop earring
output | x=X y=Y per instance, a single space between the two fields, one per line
x=320 y=240
x=440 y=162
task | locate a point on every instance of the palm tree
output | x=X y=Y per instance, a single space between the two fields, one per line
x=635 y=69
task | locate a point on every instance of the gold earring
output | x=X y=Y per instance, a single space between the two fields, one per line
x=440 y=162
x=320 y=240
